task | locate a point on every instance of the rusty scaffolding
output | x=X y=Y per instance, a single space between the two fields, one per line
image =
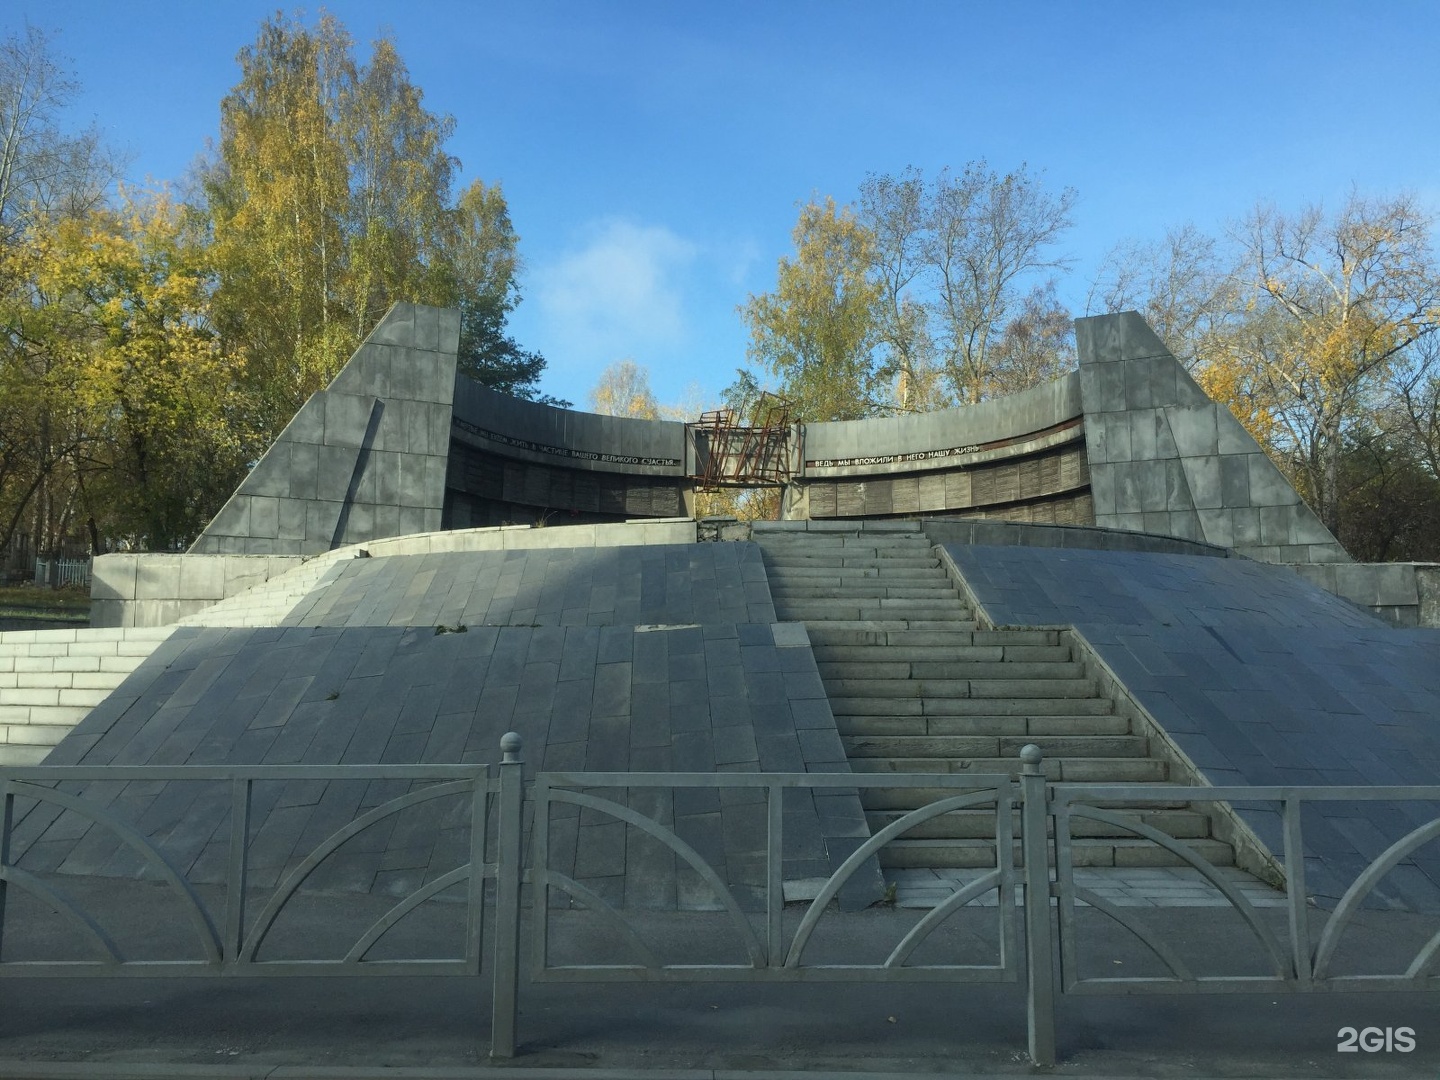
x=736 y=454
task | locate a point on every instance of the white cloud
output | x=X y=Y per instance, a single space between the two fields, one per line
x=740 y=259
x=620 y=294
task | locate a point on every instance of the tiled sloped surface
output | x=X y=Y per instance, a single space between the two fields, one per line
x=1261 y=679
x=1028 y=586
x=718 y=698
x=618 y=586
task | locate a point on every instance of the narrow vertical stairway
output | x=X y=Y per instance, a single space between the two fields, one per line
x=916 y=686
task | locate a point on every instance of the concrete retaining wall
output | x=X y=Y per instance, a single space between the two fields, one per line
x=157 y=590
x=1403 y=594
x=589 y=442
x=49 y=680
x=259 y=590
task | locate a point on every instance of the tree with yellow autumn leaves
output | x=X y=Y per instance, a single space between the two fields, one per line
x=150 y=349
x=1317 y=329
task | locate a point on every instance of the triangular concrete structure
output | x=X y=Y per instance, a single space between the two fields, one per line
x=362 y=459
x=1166 y=459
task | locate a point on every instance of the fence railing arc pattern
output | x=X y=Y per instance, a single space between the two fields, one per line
x=229 y=940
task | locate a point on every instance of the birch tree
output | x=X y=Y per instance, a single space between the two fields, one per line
x=818 y=331
x=623 y=389
x=1336 y=300
x=330 y=199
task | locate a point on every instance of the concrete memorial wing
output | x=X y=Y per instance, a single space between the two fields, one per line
x=419 y=564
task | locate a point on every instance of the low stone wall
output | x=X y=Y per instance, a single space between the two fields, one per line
x=158 y=590
x=49 y=680
x=722 y=528
x=161 y=590
x=529 y=538
x=1403 y=594
x=1091 y=538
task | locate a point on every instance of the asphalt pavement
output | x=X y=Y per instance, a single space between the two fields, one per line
x=429 y=1027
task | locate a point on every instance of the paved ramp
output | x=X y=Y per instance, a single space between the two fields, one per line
x=616 y=586
x=1259 y=678
x=663 y=683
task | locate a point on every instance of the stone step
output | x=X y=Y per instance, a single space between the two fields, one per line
x=1076 y=770
x=851 y=562
x=857 y=577
x=937 y=707
x=827 y=635
x=972 y=654
x=850 y=549
x=815 y=572
x=861 y=610
x=948 y=698
x=837 y=525
x=890 y=625
x=849 y=590
x=980 y=824
x=991 y=725
x=844 y=671
x=828 y=541
x=961 y=688
x=1087 y=853
x=992 y=746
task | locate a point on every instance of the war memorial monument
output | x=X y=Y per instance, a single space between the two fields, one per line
x=1085 y=640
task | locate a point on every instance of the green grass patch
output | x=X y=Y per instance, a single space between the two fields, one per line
x=39 y=602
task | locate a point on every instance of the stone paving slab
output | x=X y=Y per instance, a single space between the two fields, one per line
x=617 y=586
x=1259 y=678
x=363 y=695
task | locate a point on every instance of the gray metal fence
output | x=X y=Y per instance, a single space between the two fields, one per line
x=770 y=953
x=1298 y=950
x=56 y=572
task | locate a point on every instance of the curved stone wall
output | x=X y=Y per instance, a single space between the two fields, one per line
x=941 y=439
x=398 y=443
x=1021 y=458
x=518 y=462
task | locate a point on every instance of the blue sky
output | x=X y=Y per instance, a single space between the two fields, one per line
x=654 y=155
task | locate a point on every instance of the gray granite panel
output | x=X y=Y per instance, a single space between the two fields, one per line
x=1203 y=479
x=1259 y=678
x=1142 y=410
x=1194 y=429
x=1142 y=427
x=389 y=398
x=1118 y=437
x=389 y=693
x=307 y=427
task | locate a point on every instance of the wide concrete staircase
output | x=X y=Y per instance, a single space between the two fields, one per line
x=917 y=686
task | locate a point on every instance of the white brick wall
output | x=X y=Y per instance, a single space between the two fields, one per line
x=49 y=680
